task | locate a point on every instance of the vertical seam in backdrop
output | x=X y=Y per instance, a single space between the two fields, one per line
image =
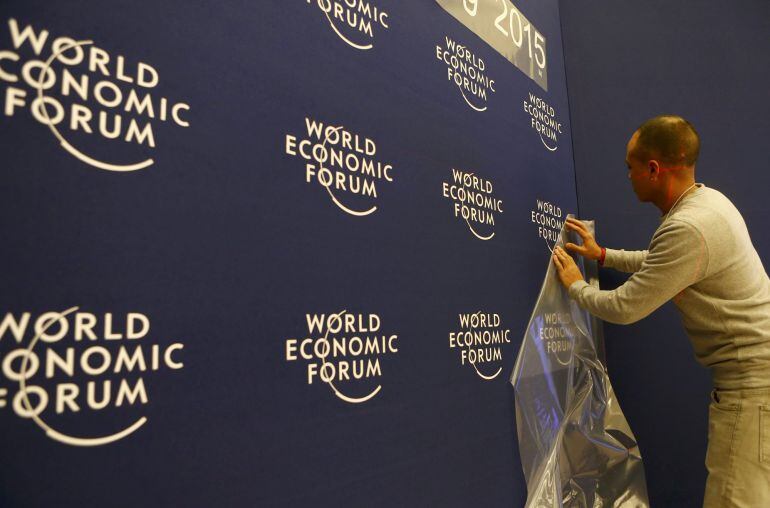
x=569 y=110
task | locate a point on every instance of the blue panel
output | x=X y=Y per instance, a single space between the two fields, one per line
x=212 y=258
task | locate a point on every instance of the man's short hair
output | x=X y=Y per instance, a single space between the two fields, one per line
x=670 y=139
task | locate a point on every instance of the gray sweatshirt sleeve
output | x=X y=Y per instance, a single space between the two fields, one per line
x=628 y=261
x=678 y=258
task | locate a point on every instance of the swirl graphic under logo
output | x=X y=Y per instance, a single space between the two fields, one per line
x=66 y=144
x=50 y=431
x=328 y=187
x=337 y=392
x=480 y=237
x=546 y=144
x=469 y=102
x=481 y=375
x=362 y=47
x=477 y=235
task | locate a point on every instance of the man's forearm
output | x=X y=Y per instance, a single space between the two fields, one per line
x=677 y=259
x=603 y=304
x=628 y=261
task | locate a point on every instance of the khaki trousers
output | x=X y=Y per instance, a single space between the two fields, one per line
x=738 y=456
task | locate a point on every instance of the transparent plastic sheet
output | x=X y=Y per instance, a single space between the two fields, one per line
x=576 y=447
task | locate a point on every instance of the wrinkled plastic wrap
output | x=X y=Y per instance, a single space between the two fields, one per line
x=576 y=447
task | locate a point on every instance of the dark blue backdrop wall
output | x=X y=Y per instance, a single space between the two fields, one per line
x=627 y=61
x=199 y=197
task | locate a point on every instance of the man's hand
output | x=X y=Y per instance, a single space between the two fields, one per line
x=590 y=249
x=568 y=271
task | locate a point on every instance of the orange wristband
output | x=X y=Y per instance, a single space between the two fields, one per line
x=601 y=258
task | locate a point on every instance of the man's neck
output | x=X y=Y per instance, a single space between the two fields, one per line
x=674 y=194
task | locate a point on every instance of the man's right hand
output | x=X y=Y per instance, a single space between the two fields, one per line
x=590 y=249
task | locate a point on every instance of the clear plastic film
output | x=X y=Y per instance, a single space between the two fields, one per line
x=576 y=447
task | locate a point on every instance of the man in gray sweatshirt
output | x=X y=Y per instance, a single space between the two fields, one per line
x=701 y=256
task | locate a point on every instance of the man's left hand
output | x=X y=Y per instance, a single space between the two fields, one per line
x=568 y=271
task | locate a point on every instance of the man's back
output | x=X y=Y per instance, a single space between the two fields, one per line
x=702 y=258
x=726 y=312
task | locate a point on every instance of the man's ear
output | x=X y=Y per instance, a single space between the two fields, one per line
x=654 y=169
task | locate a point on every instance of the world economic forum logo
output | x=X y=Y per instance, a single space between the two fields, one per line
x=479 y=341
x=473 y=201
x=344 y=351
x=98 y=107
x=544 y=120
x=467 y=72
x=344 y=163
x=76 y=374
x=354 y=21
